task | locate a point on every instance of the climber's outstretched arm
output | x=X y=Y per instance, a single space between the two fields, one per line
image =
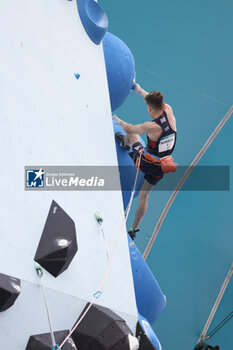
x=137 y=88
x=143 y=128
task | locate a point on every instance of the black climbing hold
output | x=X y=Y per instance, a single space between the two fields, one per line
x=144 y=342
x=43 y=341
x=203 y=346
x=58 y=243
x=9 y=291
x=101 y=329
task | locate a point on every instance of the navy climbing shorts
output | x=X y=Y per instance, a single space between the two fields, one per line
x=149 y=165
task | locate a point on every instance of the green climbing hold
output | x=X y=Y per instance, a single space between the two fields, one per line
x=38 y=268
x=99 y=218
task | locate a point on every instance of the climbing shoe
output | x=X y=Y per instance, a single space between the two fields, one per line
x=132 y=232
x=121 y=140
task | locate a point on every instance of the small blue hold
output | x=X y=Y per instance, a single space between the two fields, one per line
x=77 y=76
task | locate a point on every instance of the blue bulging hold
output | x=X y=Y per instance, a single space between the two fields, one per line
x=94 y=19
x=149 y=332
x=120 y=66
x=127 y=170
x=149 y=297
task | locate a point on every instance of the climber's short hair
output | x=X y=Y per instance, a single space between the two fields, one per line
x=155 y=99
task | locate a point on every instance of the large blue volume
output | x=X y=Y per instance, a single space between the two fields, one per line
x=120 y=66
x=149 y=297
x=127 y=170
x=94 y=19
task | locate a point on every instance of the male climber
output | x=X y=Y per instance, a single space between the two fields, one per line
x=161 y=139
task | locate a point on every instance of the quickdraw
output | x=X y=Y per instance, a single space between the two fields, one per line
x=56 y=347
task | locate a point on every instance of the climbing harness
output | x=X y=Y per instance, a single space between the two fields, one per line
x=167 y=163
x=39 y=271
x=102 y=284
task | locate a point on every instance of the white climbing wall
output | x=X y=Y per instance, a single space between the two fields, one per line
x=48 y=117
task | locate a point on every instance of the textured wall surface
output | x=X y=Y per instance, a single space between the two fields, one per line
x=48 y=117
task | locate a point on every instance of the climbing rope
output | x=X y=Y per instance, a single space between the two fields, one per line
x=40 y=274
x=216 y=304
x=219 y=326
x=102 y=284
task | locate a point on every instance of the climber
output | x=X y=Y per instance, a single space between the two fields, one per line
x=161 y=139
